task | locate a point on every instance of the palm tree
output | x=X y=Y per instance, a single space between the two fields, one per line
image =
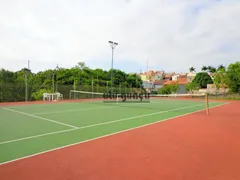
x=204 y=68
x=221 y=67
x=192 y=69
x=211 y=69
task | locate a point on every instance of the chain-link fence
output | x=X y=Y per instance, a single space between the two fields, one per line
x=12 y=92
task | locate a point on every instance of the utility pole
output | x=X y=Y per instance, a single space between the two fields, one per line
x=53 y=79
x=112 y=45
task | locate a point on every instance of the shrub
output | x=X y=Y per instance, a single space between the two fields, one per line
x=39 y=94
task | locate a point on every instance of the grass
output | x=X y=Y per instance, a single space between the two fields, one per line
x=31 y=129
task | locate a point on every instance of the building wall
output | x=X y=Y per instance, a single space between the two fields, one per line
x=182 y=89
x=190 y=77
x=147 y=84
x=151 y=78
x=175 y=77
x=158 y=86
x=143 y=77
x=158 y=77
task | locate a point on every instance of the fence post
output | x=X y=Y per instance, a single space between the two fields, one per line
x=92 y=87
x=26 y=88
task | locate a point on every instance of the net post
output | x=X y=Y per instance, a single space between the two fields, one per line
x=207 y=103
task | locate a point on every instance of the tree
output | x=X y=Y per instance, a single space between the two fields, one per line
x=221 y=79
x=221 y=67
x=134 y=80
x=81 y=65
x=119 y=76
x=233 y=73
x=192 y=69
x=211 y=69
x=204 y=68
x=38 y=95
x=174 y=88
x=192 y=86
x=7 y=76
x=203 y=79
x=169 y=89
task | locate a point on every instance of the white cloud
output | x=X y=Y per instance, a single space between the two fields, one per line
x=172 y=34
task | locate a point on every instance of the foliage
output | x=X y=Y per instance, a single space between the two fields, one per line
x=192 y=69
x=165 y=90
x=203 y=79
x=221 y=79
x=174 y=88
x=192 y=86
x=39 y=94
x=221 y=67
x=169 y=89
x=154 y=92
x=12 y=84
x=211 y=69
x=233 y=73
x=204 y=68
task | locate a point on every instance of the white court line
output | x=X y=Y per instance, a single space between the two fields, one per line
x=38 y=117
x=93 y=125
x=86 y=109
x=135 y=117
x=40 y=135
x=100 y=137
x=72 y=110
x=44 y=104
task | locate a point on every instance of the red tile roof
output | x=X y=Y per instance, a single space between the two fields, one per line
x=159 y=82
x=150 y=73
x=176 y=82
x=182 y=78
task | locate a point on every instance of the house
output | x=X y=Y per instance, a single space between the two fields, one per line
x=212 y=89
x=190 y=76
x=182 y=78
x=158 y=84
x=175 y=77
x=147 y=85
x=211 y=75
x=158 y=75
x=143 y=76
x=181 y=81
x=150 y=76
x=168 y=76
x=147 y=76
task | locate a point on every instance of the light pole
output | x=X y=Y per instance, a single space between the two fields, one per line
x=112 y=45
x=53 y=79
x=26 y=81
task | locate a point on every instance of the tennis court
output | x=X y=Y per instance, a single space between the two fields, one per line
x=32 y=129
x=89 y=139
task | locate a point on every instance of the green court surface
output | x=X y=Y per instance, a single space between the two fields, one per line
x=30 y=129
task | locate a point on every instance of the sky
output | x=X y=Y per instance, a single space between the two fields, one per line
x=169 y=35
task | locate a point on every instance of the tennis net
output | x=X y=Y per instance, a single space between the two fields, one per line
x=152 y=101
x=126 y=98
